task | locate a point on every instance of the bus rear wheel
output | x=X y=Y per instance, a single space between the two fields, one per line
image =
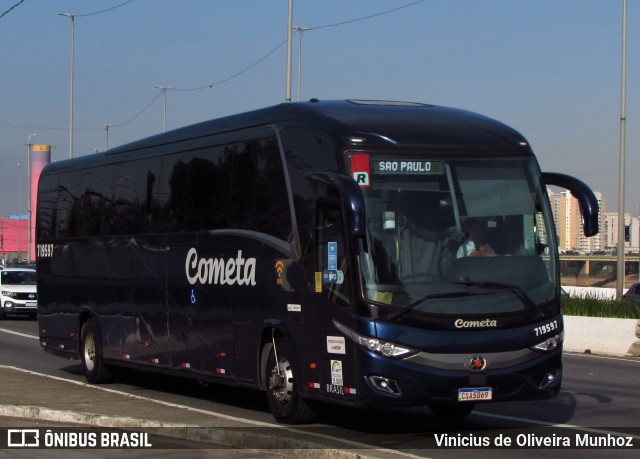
x=95 y=371
x=452 y=411
x=282 y=393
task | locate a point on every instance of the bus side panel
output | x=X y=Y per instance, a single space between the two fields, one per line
x=140 y=275
x=185 y=307
x=57 y=320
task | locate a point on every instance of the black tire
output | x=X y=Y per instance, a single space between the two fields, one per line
x=285 y=402
x=95 y=371
x=452 y=411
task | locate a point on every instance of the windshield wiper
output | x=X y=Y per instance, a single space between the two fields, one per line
x=521 y=294
x=432 y=296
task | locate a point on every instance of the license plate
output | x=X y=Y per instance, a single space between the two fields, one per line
x=31 y=304
x=475 y=394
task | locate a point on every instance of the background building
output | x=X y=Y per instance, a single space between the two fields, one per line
x=17 y=234
x=611 y=225
x=13 y=239
x=566 y=213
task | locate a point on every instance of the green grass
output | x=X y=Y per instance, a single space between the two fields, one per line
x=594 y=307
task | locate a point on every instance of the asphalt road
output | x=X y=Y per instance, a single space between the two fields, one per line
x=599 y=398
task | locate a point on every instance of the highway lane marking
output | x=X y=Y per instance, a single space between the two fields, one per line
x=18 y=333
x=608 y=357
x=350 y=443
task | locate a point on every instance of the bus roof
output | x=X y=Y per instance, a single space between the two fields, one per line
x=359 y=122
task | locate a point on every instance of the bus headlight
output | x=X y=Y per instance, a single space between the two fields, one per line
x=549 y=344
x=384 y=348
x=8 y=293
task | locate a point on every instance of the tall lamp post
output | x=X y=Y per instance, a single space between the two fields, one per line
x=72 y=17
x=106 y=129
x=300 y=30
x=623 y=118
x=287 y=96
x=164 y=90
x=19 y=211
x=29 y=204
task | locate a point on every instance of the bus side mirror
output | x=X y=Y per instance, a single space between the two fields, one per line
x=588 y=202
x=351 y=197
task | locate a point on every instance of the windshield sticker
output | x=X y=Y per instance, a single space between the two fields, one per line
x=360 y=170
x=330 y=276
x=407 y=167
x=332 y=255
x=336 y=345
x=279 y=272
x=336 y=373
x=318 y=281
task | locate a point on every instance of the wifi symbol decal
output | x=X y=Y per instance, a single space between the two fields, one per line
x=279 y=271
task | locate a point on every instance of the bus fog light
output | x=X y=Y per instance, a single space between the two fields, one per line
x=386 y=385
x=550 y=378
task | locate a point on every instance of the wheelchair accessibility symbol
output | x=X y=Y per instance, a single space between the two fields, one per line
x=193 y=296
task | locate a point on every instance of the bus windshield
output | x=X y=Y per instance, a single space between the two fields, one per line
x=456 y=236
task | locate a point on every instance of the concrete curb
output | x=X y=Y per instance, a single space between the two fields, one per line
x=600 y=335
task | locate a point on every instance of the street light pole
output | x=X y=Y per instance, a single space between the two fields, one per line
x=19 y=212
x=72 y=17
x=29 y=204
x=623 y=119
x=287 y=97
x=300 y=30
x=164 y=90
x=106 y=128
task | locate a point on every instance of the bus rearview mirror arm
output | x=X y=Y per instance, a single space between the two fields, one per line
x=586 y=198
x=351 y=197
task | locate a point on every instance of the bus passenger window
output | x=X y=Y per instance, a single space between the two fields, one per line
x=330 y=253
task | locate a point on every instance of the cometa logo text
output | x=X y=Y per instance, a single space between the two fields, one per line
x=218 y=271
x=476 y=323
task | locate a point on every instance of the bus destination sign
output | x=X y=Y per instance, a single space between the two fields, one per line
x=406 y=167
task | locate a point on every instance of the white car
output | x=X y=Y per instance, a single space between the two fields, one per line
x=18 y=292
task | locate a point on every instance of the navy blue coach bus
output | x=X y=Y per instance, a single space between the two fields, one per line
x=362 y=253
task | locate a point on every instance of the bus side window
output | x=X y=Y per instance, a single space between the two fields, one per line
x=331 y=257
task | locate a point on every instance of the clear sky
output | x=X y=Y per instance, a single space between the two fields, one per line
x=549 y=68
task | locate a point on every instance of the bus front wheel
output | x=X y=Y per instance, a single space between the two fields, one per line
x=282 y=393
x=95 y=371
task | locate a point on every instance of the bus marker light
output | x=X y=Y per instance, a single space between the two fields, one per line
x=221 y=371
x=314 y=385
x=185 y=365
x=313 y=366
x=126 y=356
x=60 y=346
x=350 y=390
x=155 y=360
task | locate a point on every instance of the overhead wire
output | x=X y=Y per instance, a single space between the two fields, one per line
x=235 y=75
x=11 y=9
x=103 y=11
x=326 y=26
